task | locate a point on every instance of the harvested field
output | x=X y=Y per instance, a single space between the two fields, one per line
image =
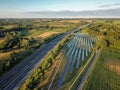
x=115 y=67
x=71 y=21
x=1 y=40
x=48 y=34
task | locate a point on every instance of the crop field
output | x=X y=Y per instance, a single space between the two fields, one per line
x=48 y=34
x=106 y=72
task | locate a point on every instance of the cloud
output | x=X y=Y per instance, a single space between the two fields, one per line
x=77 y=14
x=109 y=5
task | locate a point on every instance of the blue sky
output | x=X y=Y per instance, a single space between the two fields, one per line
x=19 y=8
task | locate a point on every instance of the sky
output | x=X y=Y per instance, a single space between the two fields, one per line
x=59 y=8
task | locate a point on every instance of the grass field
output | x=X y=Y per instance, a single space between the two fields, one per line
x=10 y=27
x=116 y=21
x=48 y=34
x=100 y=21
x=106 y=72
x=7 y=53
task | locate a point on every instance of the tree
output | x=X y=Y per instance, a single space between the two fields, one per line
x=47 y=26
x=11 y=39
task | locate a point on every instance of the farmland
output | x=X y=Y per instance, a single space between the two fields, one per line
x=106 y=72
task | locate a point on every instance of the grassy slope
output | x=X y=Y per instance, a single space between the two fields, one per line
x=103 y=77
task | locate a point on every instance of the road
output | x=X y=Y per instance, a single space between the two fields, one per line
x=15 y=77
x=82 y=83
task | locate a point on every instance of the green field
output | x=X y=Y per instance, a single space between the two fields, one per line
x=106 y=72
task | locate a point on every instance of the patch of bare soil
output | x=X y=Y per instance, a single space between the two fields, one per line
x=115 y=66
x=48 y=34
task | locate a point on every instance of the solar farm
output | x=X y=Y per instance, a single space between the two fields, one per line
x=79 y=47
